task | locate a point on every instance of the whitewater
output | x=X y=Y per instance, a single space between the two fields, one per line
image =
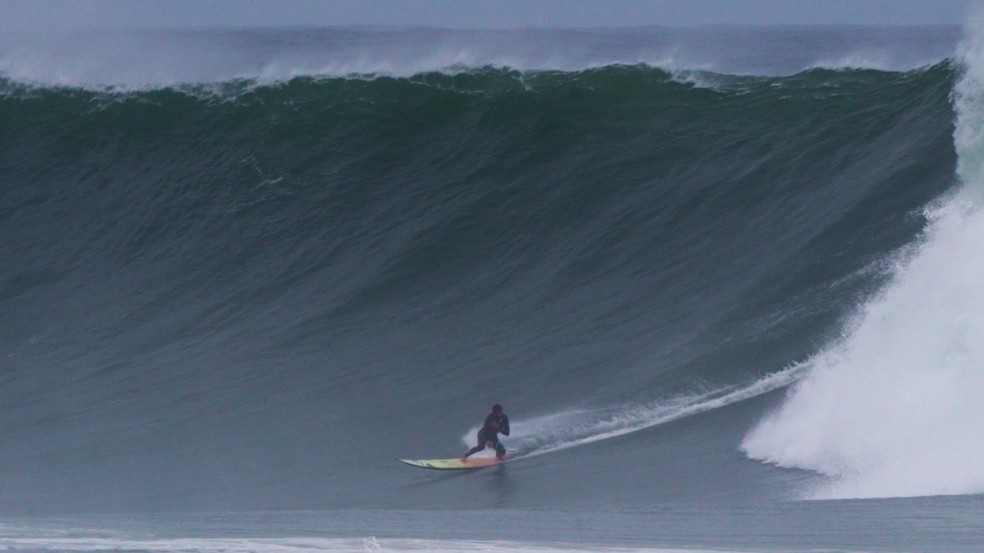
x=723 y=280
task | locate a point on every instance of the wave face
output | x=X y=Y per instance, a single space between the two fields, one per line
x=247 y=295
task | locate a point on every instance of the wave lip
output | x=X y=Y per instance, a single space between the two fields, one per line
x=132 y=60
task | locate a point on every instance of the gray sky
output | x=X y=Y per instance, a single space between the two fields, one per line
x=27 y=14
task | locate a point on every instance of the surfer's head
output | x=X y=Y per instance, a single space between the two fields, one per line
x=497 y=409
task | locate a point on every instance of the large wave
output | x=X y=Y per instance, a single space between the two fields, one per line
x=216 y=289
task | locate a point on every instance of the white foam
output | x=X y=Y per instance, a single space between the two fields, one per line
x=559 y=431
x=897 y=407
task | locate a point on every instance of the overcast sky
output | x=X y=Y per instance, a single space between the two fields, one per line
x=28 y=14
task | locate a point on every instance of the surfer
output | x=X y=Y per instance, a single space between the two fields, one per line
x=488 y=436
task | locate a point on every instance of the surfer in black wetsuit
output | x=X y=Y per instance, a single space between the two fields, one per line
x=488 y=436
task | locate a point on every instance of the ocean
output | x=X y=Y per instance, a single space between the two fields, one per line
x=726 y=282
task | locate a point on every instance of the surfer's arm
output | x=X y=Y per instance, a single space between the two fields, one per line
x=505 y=426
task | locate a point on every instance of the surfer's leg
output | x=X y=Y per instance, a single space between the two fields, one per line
x=477 y=448
x=500 y=450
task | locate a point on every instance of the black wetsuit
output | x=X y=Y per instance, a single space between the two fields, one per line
x=490 y=433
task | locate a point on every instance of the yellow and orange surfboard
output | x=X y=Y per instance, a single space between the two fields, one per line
x=453 y=464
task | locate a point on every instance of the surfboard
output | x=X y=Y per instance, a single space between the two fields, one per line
x=453 y=464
